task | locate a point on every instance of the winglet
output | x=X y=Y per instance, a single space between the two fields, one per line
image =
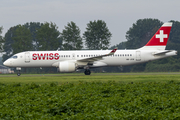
x=113 y=51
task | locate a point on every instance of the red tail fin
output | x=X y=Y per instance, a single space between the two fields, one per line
x=161 y=36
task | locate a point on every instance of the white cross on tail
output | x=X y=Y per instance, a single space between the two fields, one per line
x=161 y=36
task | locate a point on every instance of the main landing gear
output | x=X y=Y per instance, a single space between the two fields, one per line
x=18 y=69
x=87 y=72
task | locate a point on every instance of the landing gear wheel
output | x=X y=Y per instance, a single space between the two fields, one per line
x=18 y=74
x=87 y=72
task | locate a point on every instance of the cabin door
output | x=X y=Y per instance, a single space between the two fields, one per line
x=27 y=57
x=138 y=55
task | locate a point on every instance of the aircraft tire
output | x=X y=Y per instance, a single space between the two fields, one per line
x=18 y=74
x=87 y=72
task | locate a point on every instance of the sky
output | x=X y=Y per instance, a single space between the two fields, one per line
x=119 y=15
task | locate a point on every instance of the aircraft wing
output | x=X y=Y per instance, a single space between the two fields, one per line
x=96 y=58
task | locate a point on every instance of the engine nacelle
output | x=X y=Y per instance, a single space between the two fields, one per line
x=67 y=66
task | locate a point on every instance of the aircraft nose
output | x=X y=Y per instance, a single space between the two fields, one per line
x=6 y=63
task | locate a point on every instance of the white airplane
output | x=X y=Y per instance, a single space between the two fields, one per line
x=70 y=61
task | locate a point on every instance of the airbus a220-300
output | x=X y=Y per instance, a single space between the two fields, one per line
x=70 y=61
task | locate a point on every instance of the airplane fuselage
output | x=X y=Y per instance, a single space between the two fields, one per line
x=53 y=58
x=70 y=61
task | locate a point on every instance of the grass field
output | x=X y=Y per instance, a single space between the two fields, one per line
x=138 y=96
x=95 y=77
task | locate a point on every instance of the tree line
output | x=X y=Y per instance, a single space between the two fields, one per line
x=45 y=36
x=139 y=34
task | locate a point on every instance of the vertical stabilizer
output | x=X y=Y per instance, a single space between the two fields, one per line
x=160 y=38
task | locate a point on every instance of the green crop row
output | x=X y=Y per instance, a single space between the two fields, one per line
x=91 y=100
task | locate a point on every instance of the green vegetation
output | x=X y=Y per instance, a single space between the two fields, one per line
x=71 y=37
x=95 y=77
x=1 y=39
x=48 y=37
x=99 y=96
x=97 y=35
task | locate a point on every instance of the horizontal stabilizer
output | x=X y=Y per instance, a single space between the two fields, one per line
x=162 y=52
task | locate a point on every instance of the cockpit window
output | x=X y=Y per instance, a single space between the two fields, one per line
x=14 y=57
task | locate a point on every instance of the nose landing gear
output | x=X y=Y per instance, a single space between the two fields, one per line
x=18 y=74
x=19 y=69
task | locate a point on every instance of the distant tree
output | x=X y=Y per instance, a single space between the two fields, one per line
x=121 y=45
x=141 y=32
x=174 y=38
x=8 y=43
x=71 y=37
x=22 y=40
x=1 y=40
x=97 y=35
x=33 y=26
x=8 y=39
x=48 y=37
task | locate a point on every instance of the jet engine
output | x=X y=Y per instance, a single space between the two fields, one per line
x=67 y=66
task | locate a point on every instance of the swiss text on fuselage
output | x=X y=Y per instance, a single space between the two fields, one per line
x=45 y=56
